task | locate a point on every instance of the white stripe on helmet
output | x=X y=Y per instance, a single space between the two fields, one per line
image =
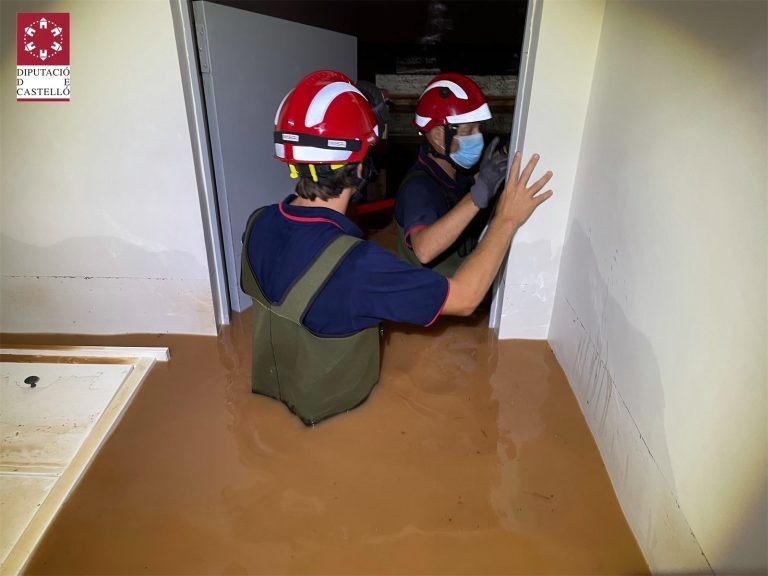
x=312 y=154
x=480 y=113
x=322 y=100
x=277 y=114
x=457 y=90
x=422 y=120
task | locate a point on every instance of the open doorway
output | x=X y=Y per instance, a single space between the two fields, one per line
x=399 y=46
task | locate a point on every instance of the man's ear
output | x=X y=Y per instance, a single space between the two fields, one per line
x=435 y=138
x=359 y=170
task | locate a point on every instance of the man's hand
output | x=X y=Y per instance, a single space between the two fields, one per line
x=518 y=200
x=489 y=175
x=516 y=203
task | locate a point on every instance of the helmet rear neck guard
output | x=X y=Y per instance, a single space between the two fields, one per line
x=318 y=173
x=322 y=174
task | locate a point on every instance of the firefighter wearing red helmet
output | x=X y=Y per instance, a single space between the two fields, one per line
x=439 y=202
x=319 y=290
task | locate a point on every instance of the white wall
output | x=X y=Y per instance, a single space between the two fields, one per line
x=660 y=312
x=101 y=225
x=558 y=87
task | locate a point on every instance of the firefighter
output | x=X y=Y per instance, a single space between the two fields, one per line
x=319 y=290
x=441 y=208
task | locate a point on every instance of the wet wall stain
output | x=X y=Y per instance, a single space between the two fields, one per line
x=470 y=457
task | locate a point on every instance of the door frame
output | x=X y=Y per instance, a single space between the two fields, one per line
x=192 y=84
x=517 y=137
x=186 y=43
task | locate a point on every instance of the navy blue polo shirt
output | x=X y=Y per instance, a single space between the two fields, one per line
x=421 y=200
x=369 y=285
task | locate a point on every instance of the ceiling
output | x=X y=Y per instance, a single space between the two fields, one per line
x=478 y=37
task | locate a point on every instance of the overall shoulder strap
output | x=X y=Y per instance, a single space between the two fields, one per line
x=248 y=282
x=313 y=279
x=251 y=218
x=421 y=172
x=412 y=174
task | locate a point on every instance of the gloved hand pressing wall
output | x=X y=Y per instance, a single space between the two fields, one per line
x=491 y=173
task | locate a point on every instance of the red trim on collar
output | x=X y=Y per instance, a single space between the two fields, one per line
x=448 y=292
x=305 y=219
x=452 y=184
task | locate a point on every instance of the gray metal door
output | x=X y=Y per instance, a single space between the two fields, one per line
x=249 y=62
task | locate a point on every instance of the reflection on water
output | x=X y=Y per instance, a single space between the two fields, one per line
x=470 y=456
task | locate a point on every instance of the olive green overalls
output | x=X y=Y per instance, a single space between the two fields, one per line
x=449 y=261
x=315 y=376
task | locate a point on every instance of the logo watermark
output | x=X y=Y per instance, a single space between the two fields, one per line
x=42 y=56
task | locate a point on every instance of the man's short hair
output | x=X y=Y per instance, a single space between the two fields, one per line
x=344 y=177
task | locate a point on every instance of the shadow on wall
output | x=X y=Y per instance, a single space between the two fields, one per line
x=598 y=365
x=615 y=374
x=742 y=538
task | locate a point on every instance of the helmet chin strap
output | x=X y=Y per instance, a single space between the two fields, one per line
x=449 y=132
x=368 y=173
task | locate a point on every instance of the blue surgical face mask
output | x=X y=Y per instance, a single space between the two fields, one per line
x=470 y=150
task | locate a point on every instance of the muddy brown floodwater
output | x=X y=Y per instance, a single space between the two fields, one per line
x=470 y=457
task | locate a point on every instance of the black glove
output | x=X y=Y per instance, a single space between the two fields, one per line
x=492 y=171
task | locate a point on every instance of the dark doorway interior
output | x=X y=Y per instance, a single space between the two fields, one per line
x=402 y=44
x=473 y=37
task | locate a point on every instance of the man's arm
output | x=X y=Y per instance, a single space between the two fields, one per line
x=516 y=204
x=431 y=241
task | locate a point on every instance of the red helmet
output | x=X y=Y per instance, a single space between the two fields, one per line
x=324 y=120
x=450 y=99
